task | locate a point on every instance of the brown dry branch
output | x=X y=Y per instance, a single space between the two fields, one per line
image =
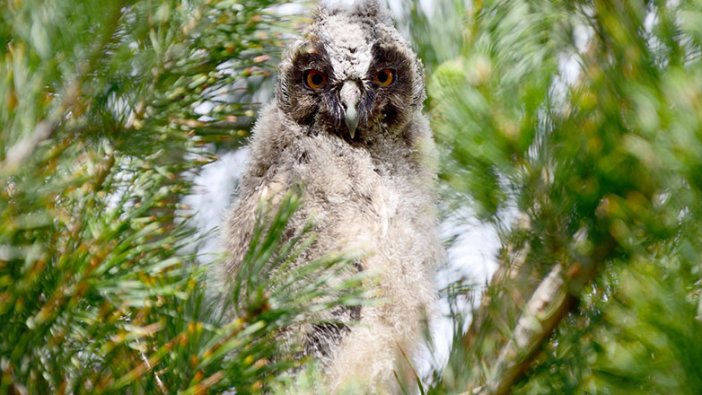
x=549 y=303
x=554 y=297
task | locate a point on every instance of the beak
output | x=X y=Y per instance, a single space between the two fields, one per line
x=350 y=95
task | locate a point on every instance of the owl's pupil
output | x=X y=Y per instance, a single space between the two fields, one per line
x=383 y=77
x=317 y=79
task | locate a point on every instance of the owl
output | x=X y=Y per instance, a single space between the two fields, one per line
x=346 y=129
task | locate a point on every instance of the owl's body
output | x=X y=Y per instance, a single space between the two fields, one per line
x=366 y=183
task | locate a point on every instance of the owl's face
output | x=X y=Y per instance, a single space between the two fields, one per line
x=351 y=75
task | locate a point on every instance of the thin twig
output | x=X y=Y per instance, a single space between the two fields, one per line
x=160 y=384
x=19 y=152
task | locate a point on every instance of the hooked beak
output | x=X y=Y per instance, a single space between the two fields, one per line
x=350 y=95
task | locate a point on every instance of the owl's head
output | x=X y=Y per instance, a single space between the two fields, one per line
x=351 y=74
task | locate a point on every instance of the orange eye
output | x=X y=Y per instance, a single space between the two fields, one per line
x=315 y=79
x=384 y=77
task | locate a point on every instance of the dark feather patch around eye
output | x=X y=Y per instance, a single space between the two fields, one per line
x=390 y=58
x=393 y=77
x=303 y=98
x=310 y=58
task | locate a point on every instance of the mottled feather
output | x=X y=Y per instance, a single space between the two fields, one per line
x=369 y=192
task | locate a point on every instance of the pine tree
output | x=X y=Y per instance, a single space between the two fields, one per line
x=574 y=128
x=583 y=118
x=102 y=126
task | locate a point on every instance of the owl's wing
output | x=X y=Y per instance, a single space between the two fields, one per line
x=266 y=193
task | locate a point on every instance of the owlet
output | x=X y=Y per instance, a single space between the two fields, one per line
x=346 y=128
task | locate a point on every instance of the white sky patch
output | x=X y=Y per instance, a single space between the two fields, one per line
x=204 y=107
x=582 y=36
x=569 y=68
x=475 y=247
x=427 y=7
x=289 y=9
x=212 y=194
x=472 y=258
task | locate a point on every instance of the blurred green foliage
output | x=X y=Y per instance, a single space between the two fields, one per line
x=584 y=119
x=101 y=119
x=574 y=127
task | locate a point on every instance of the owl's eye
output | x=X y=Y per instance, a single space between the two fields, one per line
x=384 y=78
x=315 y=79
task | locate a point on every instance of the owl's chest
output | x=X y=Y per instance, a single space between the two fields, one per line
x=335 y=172
x=352 y=192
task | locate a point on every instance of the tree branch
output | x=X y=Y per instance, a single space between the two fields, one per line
x=549 y=303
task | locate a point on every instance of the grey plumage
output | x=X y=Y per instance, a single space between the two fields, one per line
x=347 y=128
